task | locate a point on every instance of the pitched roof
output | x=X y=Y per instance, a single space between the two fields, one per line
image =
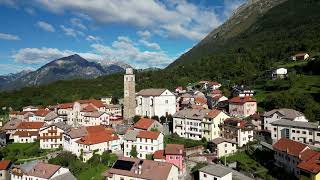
x=65 y=106
x=288 y=114
x=291 y=147
x=144 y=123
x=213 y=113
x=312 y=165
x=242 y=100
x=5 y=164
x=83 y=131
x=41 y=112
x=283 y=122
x=238 y=123
x=216 y=170
x=131 y=135
x=95 y=114
x=26 y=133
x=220 y=140
x=159 y=155
x=96 y=103
x=154 y=170
x=150 y=92
x=216 y=91
x=43 y=170
x=96 y=138
x=11 y=125
x=197 y=114
x=30 y=125
x=89 y=108
x=174 y=149
x=148 y=134
x=201 y=100
x=300 y=54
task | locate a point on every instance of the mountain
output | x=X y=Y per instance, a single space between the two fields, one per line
x=66 y=68
x=260 y=35
x=5 y=79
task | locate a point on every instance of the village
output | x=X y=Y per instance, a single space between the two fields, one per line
x=192 y=132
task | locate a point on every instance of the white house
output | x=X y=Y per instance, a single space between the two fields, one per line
x=138 y=169
x=27 y=132
x=277 y=114
x=223 y=147
x=106 y=100
x=146 y=124
x=94 y=118
x=40 y=171
x=145 y=142
x=51 y=135
x=215 y=172
x=114 y=109
x=4 y=169
x=238 y=130
x=279 y=73
x=155 y=102
x=304 y=132
x=44 y=115
x=30 y=109
x=242 y=106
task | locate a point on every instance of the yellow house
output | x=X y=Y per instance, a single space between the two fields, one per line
x=211 y=124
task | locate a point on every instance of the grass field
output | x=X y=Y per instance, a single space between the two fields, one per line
x=93 y=173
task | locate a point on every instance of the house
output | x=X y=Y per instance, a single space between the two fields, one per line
x=242 y=91
x=44 y=115
x=97 y=142
x=220 y=172
x=242 y=106
x=284 y=113
x=10 y=127
x=133 y=168
x=106 y=100
x=290 y=155
x=114 y=109
x=27 y=132
x=257 y=120
x=24 y=115
x=87 y=140
x=310 y=169
x=51 y=135
x=155 y=102
x=304 y=132
x=215 y=172
x=211 y=124
x=201 y=101
x=30 y=109
x=4 y=169
x=208 y=85
x=38 y=170
x=94 y=118
x=300 y=56
x=4 y=138
x=145 y=142
x=222 y=147
x=180 y=90
x=280 y=73
x=146 y=124
x=238 y=130
x=174 y=154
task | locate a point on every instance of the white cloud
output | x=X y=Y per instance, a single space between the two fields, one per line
x=13 y=68
x=149 y=44
x=76 y=22
x=93 y=38
x=45 y=26
x=30 y=10
x=71 y=32
x=9 y=37
x=173 y=18
x=144 y=34
x=44 y=55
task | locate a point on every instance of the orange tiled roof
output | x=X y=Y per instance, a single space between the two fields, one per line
x=148 y=135
x=175 y=149
x=159 y=154
x=214 y=113
x=98 y=137
x=4 y=164
x=312 y=165
x=89 y=108
x=26 y=133
x=144 y=123
x=242 y=100
x=96 y=103
x=291 y=147
x=201 y=100
x=65 y=106
x=235 y=121
x=30 y=125
x=42 y=112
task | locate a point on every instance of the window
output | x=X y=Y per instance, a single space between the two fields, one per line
x=225 y=151
x=166 y=101
x=304 y=132
x=293 y=131
x=225 y=145
x=298 y=131
x=310 y=133
x=318 y=134
x=204 y=175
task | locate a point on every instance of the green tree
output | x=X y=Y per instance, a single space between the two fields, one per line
x=136 y=118
x=133 y=152
x=163 y=119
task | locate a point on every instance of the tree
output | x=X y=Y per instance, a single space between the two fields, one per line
x=149 y=156
x=114 y=100
x=136 y=118
x=155 y=118
x=162 y=119
x=154 y=129
x=133 y=152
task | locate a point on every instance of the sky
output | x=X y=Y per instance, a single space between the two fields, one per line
x=142 y=33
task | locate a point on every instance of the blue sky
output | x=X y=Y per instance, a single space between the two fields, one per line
x=142 y=33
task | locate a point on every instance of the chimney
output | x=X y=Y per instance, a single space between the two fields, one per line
x=139 y=169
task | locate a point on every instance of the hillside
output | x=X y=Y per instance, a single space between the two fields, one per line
x=266 y=40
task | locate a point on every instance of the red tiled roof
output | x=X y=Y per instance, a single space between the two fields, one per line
x=148 y=135
x=291 y=147
x=30 y=125
x=98 y=137
x=20 y=113
x=242 y=100
x=197 y=106
x=144 y=123
x=26 y=133
x=96 y=103
x=312 y=165
x=174 y=149
x=159 y=154
x=4 y=164
x=42 y=112
x=65 y=106
x=201 y=100
x=89 y=108
x=214 y=113
x=307 y=154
